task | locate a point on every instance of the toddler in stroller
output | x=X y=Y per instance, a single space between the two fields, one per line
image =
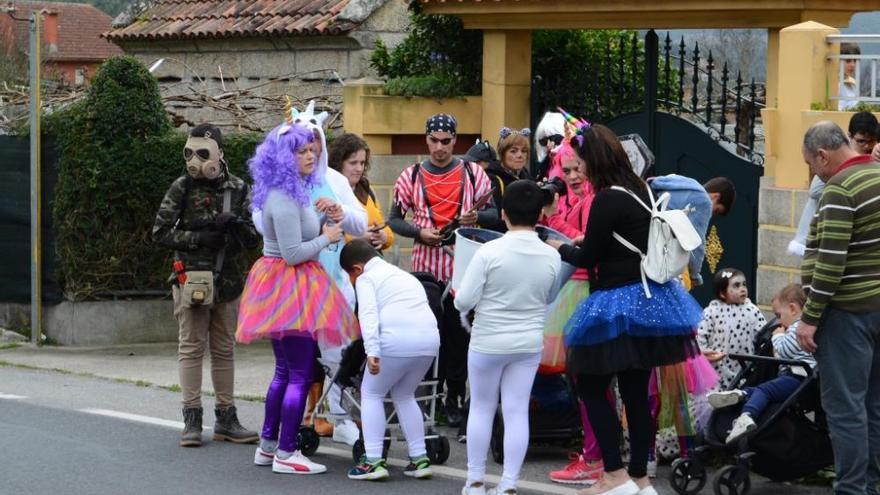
x=769 y=417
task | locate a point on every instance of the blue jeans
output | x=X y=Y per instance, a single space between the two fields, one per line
x=848 y=354
x=775 y=390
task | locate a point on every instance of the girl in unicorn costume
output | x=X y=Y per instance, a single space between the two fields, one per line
x=332 y=197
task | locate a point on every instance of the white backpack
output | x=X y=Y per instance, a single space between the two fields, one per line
x=671 y=238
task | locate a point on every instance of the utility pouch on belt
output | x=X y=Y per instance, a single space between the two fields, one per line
x=198 y=287
x=198 y=290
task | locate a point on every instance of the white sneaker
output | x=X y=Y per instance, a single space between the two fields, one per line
x=474 y=490
x=741 y=425
x=346 y=432
x=494 y=491
x=263 y=458
x=648 y=490
x=297 y=464
x=728 y=398
x=652 y=469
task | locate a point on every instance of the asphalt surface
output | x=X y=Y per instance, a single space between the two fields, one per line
x=63 y=433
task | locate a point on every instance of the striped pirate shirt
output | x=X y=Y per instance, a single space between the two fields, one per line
x=841 y=266
x=409 y=195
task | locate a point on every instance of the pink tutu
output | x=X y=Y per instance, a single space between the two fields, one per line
x=280 y=300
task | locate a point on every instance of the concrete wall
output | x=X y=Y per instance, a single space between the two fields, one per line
x=305 y=67
x=100 y=322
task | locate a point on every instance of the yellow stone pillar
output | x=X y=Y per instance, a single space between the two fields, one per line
x=507 y=74
x=772 y=66
x=805 y=74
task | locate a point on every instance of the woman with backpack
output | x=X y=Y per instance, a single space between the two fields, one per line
x=349 y=155
x=625 y=327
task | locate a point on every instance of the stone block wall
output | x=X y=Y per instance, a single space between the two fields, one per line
x=255 y=73
x=778 y=216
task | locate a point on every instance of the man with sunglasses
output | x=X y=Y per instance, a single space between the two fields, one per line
x=437 y=191
x=204 y=218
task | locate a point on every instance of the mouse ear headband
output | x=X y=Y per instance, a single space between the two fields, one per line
x=507 y=131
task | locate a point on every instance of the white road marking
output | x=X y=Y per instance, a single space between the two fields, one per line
x=178 y=425
x=336 y=452
x=12 y=397
x=460 y=473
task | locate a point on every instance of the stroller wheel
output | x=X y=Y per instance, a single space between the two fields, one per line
x=496 y=443
x=438 y=449
x=687 y=477
x=308 y=440
x=732 y=480
x=358 y=450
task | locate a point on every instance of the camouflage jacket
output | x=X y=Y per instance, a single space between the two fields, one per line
x=202 y=202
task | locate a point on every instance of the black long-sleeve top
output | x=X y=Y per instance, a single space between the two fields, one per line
x=610 y=263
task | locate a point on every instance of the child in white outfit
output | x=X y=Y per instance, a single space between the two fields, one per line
x=401 y=341
x=730 y=324
x=508 y=283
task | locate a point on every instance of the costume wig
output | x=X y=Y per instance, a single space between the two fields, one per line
x=275 y=165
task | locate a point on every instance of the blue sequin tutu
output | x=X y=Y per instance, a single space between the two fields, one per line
x=620 y=328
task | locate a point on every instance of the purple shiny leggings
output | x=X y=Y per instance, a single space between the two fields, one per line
x=286 y=397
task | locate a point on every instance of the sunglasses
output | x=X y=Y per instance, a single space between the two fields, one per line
x=202 y=153
x=556 y=138
x=444 y=141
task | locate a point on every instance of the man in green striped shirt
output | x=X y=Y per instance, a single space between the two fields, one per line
x=841 y=272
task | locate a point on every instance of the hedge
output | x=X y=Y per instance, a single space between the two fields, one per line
x=118 y=156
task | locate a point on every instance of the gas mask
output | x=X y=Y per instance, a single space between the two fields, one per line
x=204 y=160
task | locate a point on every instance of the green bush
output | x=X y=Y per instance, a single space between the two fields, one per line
x=439 y=58
x=118 y=156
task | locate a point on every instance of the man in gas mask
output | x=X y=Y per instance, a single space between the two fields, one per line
x=204 y=218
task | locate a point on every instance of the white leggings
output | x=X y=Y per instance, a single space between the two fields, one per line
x=400 y=376
x=512 y=375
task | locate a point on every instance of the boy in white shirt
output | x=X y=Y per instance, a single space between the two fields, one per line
x=401 y=341
x=508 y=283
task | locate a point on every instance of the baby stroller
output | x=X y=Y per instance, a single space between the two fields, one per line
x=349 y=376
x=553 y=415
x=791 y=440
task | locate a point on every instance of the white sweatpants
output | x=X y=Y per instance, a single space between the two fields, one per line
x=511 y=375
x=400 y=376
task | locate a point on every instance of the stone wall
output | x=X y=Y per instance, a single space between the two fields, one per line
x=240 y=81
x=779 y=212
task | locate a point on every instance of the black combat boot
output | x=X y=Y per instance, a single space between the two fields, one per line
x=192 y=428
x=229 y=429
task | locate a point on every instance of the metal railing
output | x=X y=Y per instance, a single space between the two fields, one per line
x=865 y=87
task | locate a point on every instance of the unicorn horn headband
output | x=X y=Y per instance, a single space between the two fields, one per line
x=288 y=109
x=580 y=124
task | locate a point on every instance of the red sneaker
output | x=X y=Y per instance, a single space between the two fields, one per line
x=578 y=471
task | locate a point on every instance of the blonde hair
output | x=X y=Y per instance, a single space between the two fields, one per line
x=515 y=138
x=791 y=293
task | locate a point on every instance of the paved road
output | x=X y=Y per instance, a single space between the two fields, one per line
x=63 y=433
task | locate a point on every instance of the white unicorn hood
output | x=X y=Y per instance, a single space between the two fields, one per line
x=314 y=122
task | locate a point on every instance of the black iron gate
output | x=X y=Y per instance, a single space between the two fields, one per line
x=703 y=146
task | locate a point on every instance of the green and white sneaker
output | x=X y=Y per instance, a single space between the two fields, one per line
x=419 y=468
x=369 y=470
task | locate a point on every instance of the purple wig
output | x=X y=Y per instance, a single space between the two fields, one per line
x=275 y=166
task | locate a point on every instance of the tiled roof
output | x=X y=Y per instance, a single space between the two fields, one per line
x=189 y=19
x=79 y=31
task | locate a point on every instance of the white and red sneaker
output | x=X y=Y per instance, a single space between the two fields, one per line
x=297 y=464
x=578 y=471
x=263 y=458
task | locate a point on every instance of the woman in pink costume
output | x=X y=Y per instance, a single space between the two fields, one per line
x=288 y=297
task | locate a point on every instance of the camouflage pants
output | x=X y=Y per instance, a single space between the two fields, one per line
x=199 y=328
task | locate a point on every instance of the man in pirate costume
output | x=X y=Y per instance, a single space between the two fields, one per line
x=438 y=191
x=204 y=218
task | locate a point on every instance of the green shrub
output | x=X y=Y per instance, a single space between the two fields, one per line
x=439 y=58
x=118 y=156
